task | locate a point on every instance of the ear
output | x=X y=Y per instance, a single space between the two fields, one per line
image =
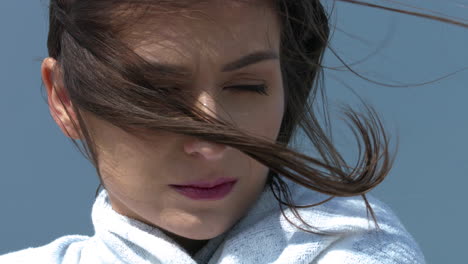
x=60 y=105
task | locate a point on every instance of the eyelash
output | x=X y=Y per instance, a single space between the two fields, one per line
x=259 y=88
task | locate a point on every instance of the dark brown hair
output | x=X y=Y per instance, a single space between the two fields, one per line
x=104 y=77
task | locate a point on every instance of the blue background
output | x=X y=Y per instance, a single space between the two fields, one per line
x=47 y=188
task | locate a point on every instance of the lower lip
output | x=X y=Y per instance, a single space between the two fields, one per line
x=215 y=193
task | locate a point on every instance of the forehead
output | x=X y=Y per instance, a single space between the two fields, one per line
x=216 y=30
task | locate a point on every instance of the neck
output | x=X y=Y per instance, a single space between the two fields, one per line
x=192 y=246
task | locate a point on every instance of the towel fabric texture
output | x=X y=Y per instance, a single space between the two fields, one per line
x=263 y=235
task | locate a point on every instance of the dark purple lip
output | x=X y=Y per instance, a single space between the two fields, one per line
x=206 y=184
x=214 y=190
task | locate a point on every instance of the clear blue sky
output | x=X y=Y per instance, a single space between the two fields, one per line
x=47 y=188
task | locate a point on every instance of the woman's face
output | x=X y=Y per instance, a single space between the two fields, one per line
x=164 y=179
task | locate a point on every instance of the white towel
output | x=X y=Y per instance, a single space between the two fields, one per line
x=262 y=236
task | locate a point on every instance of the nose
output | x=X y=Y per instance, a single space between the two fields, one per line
x=200 y=147
x=204 y=149
x=208 y=104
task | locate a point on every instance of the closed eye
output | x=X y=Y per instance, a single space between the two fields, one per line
x=258 y=88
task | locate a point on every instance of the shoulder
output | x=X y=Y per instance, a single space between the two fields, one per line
x=358 y=240
x=372 y=247
x=268 y=234
x=54 y=252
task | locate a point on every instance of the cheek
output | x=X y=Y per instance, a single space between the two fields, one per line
x=263 y=118
x=128 y=165
x=270 y=123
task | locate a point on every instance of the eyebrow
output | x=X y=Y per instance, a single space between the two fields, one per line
x=249 y=59
x=242 y=62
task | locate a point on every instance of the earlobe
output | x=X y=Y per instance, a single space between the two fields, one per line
x=59 y=103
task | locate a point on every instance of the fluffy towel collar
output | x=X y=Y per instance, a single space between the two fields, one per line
x=262 y=236
x=133 y=241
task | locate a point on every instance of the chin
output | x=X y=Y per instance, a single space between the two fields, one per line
x=200 y=230
x=203 y=233
x=196 y=224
